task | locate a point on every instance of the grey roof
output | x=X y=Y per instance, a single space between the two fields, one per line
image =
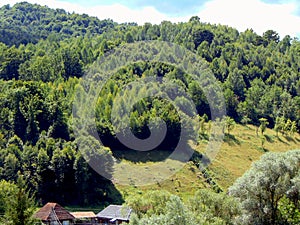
x=115 y=212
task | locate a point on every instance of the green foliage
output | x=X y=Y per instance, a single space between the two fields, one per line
x=27 y=23
x=279 y=124
x=263 y=125
x=263 y=140
x=260 y=74
x=268 y=188
x=177 y=213
x=271 y=35
x=205 y=207
x=147 y=109
x=229 y=124
x=44 y=52
x=213 y=208
x=201 y=36
x=11 y=59
x=286 y=127
x=150 y=203
x=7 y=189
x=20 y=206
x=289 y=211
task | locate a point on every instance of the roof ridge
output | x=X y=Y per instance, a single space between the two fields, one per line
x=49 y=214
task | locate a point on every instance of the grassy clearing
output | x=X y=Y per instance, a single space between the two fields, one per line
x=184 y=183
x=243 y=148
x=239 y=150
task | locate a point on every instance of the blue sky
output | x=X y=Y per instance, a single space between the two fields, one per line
x=282 y=16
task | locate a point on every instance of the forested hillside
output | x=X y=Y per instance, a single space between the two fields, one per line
x=26 y=23
x=45 y=52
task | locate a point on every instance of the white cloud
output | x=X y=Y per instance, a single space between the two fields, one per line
x=117 y=12
x=236 y=13
x=253 y=14
x=120 y=13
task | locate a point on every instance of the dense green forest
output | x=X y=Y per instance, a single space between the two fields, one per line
x=45 y=52
x=25 y=23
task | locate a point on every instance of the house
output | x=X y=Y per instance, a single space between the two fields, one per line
x=85 y=218
x=114 y=214
x=54 y=214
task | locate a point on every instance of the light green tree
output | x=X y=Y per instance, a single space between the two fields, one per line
x=229 y=124
x=263 y=125
x=279 y=124
x=149 y=203
x=261 y=189
x=209 y=207
x=7 y=189
x=293 y=128
x=20 y=206
x=287 y=126
x=201 y=125
x=289 y=211
x=263 y=141
x=175 y=213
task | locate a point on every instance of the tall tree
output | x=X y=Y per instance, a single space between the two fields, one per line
x=20 y=207
x=271 y=35
x=269 y=180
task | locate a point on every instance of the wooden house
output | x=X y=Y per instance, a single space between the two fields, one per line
x=54 y=214
x=85 y=218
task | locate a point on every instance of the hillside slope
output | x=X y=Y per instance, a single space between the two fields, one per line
x=235 y=157
x=259 y=76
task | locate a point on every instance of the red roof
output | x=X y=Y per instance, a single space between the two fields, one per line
x=51 y=211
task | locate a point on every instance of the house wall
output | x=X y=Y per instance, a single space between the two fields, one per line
x=64 y=222
x=107 y=222
x=86 y=222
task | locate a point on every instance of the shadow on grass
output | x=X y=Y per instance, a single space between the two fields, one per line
x=290 y=139
x=231 y=139
x=248 y=127
x=157 y=155
x=200 y=160
x=268 y=138
x=279 y=139
x=262 y=149
x=204 y=136
x=140 y=156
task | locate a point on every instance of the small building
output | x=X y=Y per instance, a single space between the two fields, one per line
x=54 y=214
x=114 y=214
x=85 y=218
